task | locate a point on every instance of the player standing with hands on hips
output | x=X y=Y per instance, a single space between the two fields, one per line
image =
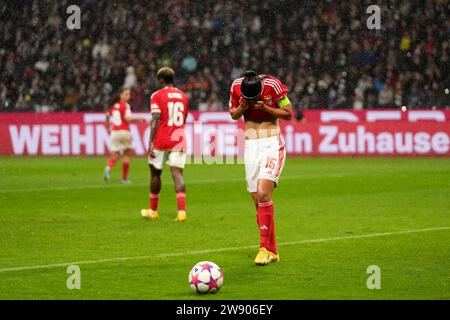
x=262 y=100
x=169 y=109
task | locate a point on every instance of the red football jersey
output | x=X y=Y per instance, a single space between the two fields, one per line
x=273 y=90
x=118 y=111
x=173 y=106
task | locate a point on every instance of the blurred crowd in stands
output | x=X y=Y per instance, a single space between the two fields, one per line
x=322 y=50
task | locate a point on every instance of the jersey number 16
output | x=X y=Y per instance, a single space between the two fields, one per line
x=176 y=114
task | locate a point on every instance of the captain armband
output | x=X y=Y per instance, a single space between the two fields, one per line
x=283 y=102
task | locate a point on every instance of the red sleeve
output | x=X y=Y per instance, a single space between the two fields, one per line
x=234 y=98
x=279 y=90
x=155 y=103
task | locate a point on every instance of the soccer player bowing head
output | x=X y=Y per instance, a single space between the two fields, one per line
x=262 y=100
x=169 y=109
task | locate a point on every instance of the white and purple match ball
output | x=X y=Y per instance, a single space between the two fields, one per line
x=206 y=277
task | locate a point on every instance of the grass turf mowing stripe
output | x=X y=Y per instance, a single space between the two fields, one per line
x=177 y=254
x=106 y=185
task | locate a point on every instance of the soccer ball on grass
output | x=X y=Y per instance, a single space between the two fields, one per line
x=205 y=277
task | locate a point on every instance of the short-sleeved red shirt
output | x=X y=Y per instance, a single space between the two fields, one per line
x=273 y=90
x=118 y=113
x=173 y=105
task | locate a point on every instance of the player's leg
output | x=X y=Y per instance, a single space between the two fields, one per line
x=271 y=167
x=126 y=147
x=156 y=165
x=110 y=165
x=252 y=160
x=180 y=190
x=155 y=188
x=126 y=165
x=265 y=212
x=176 y=161
x=268 y=250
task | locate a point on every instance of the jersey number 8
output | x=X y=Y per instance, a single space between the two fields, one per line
x=176 y=116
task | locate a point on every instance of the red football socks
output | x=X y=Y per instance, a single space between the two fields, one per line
x=111 y=162
x=154 y=197
x=181 y=201
x=125 y=166
x=273 y=241
x=267 y=226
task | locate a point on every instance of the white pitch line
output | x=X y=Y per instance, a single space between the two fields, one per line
x=196 y=252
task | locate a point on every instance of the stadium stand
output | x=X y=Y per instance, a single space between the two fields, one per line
x=321 y=49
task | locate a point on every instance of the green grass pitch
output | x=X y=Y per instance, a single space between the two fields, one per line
x=56 y=211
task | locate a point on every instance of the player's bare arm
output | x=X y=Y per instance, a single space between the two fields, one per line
x=239 y=111
x=153 y=129
x=131 y=119
x=284 y=111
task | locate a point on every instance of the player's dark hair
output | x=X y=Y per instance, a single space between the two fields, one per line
x=166 y=74
x=251 y=85
x=116 y=98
